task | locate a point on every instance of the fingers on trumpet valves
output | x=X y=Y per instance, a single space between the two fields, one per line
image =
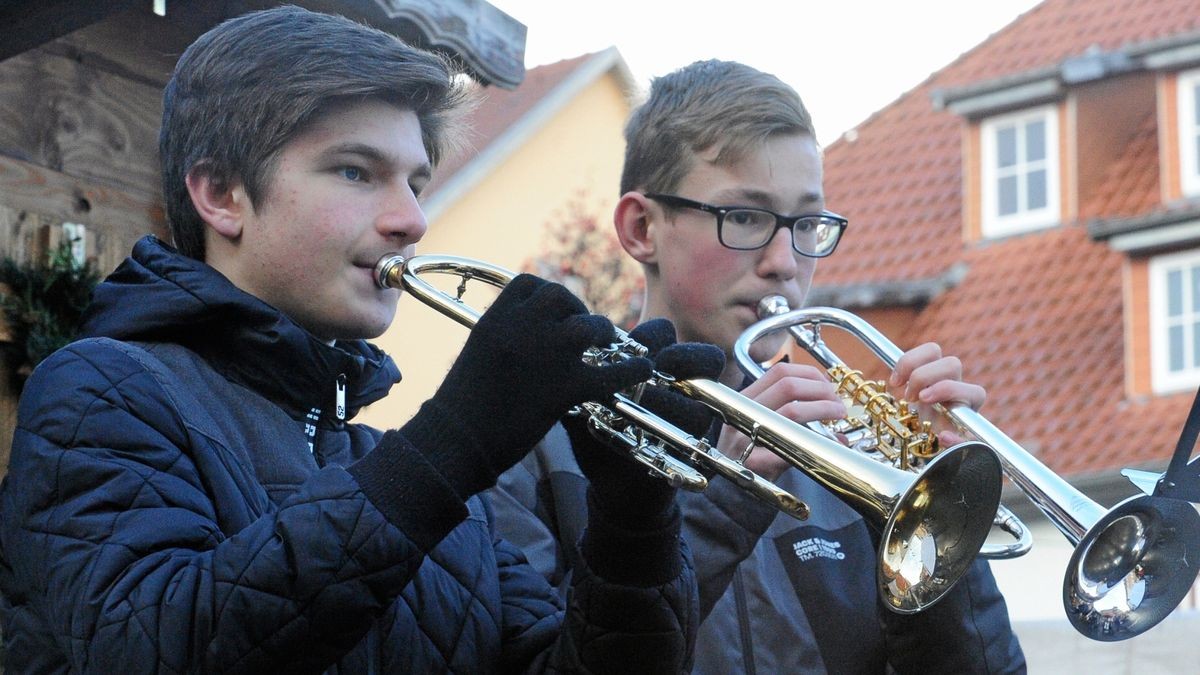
x=926 y=376
x=920 y=366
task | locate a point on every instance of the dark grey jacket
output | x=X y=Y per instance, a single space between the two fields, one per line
x=781 y=595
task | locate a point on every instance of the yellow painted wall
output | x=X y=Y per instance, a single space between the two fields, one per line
x=575 y=158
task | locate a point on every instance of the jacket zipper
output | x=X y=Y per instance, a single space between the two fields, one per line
x=314 y=416
x=340 y=396
x=743 y=615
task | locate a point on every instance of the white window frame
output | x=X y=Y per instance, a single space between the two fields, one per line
x=1024 y=220
x=1163 y=380
x=1189 y=131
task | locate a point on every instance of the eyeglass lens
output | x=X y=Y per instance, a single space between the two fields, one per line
x=748 y=228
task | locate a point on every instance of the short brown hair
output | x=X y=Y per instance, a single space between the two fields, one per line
x=245 y=88
x=704 y=105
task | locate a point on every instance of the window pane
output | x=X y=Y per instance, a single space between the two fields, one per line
x=1195 y=289
x=1175 y=347
x=1006 y=196
x=1197 y=155
x=1006 y=146
x=1035 y=141
x=1174 y=293
x=1195 y=345
x=1036 y=189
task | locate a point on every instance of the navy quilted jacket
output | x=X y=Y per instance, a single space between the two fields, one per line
x=183 y=497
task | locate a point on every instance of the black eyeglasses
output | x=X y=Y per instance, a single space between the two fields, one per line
x=746 y=228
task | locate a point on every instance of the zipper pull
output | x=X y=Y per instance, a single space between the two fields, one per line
x=340 y=407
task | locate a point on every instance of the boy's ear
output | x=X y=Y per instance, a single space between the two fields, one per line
x=631 y=218
x=220 y=202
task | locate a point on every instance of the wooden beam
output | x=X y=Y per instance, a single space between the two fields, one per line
x=70 y=117
x=32 y=23
x=488 y=42
x=28 y=187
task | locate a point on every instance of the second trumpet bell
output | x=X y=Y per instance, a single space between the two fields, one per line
x=931 y=524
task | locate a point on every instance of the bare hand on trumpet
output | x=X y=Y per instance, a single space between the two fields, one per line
x=801 y=393
x=927 y=378
x=932 y=523
x=804 y=393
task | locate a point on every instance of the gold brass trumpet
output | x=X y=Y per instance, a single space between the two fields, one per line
x=932 y=523
x=879 y=425
x=1132 y=564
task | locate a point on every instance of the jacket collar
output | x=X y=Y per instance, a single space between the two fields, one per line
x=159 y=295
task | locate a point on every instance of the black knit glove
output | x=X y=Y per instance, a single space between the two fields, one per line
x=519 y=372
x=622 y=488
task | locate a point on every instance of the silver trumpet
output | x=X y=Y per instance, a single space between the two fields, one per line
x=887 y=429
x=623 y=422
x=933 y=523
x=1132 y=564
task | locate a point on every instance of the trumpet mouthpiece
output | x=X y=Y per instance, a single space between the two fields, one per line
x=388 y=270
x=772 y=305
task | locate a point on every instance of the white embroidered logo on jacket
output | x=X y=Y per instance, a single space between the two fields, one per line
x=816 y=547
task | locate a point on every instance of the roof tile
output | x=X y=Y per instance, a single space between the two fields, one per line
x=1038 y=319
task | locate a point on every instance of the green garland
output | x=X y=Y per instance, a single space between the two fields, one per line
x=43 y=304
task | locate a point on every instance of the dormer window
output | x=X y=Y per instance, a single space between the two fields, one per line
x=1020 y=172
x=1189 y=132
x=1175 y=321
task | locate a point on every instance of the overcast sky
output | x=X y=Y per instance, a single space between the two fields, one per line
x=847 y=58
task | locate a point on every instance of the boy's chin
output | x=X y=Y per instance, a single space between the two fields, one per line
x=377 y=322
x=370 y=332
x=362 y=329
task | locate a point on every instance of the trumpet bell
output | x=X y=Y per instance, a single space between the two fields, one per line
x=938 y=525
x=929 y=533
x=1132 y=567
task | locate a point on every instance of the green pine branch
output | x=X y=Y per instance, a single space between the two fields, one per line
x=43 y=304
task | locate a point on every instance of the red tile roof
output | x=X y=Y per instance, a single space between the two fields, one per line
x=1130 y=186
x=1051 y=353
x=1038 y=319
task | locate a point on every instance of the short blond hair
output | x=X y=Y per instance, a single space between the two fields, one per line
x=708 y=104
